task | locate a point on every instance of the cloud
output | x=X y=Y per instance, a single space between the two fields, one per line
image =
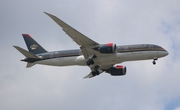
x=178 y=108
x=124 y=22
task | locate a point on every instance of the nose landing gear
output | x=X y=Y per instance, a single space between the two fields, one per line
x=154 y=61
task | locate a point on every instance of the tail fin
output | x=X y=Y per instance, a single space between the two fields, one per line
x=32 y=45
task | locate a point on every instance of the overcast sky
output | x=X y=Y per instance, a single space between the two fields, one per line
x=145 y=86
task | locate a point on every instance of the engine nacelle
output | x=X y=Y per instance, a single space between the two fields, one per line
x=106 y=48
x=117 y=70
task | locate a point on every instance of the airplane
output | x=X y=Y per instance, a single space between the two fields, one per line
x=98 y=57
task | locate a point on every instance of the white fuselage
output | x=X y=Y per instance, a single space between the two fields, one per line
x=104 y=60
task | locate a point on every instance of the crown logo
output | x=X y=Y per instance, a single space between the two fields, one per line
x=33 y=47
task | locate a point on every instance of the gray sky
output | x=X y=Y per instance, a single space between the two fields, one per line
x=145 y=87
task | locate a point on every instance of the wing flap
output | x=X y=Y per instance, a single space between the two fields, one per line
x=85 y=53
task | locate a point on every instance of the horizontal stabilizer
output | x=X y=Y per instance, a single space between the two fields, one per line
x=25 y=53
x=90 y=75
x=29 y=65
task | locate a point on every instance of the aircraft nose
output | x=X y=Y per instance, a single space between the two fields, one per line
x=166 y=52
x=163 y=52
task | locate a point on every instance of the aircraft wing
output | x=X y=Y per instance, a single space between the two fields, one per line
x=86 y=44
x=78 y=37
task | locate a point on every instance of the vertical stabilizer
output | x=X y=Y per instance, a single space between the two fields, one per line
x=32 y=45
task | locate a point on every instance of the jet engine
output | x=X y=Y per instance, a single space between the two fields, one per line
x=106 y=48
x=117 y=70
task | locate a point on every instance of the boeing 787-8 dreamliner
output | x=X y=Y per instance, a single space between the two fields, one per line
x=98 y=57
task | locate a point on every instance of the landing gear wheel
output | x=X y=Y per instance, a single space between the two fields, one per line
x=154 y=62
x=94 y=73
x=89 y=62
x=92 y=62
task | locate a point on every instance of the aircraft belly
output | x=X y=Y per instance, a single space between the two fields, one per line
x=64 y=61
x=108 y=60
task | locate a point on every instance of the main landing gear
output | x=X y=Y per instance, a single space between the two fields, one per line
x=94 y=73
x=90 y=62
x=154 y=61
